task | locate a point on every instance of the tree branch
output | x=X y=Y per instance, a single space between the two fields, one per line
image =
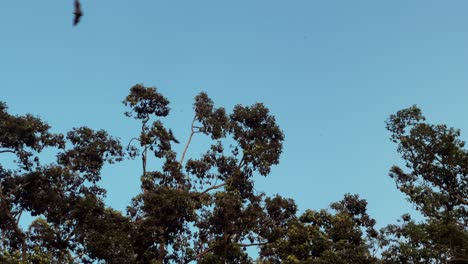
x=461 y=199
x=18 y=216
x=16 y=189
x=130 y=142
x=78 y=255
x=189 y=140
x=145 y=151
x=213 y=187
x=7 y=151
x=253 y=244
x=199 y=255
x=143 y=159
x=19 y=233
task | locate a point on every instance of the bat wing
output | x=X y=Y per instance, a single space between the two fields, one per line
x=78 y=13
x=76 y=20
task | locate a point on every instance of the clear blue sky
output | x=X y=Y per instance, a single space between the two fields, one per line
x=330 y=71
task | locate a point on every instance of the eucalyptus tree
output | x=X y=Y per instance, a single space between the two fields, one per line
x=204 y=208
x=53 y=193
x=436 y=183
x=344 y=234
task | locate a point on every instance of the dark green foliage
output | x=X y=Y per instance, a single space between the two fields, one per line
x=437 y=180
x=205 y=209
x=436 y=184
x=214 y=121
x=323 y=237
x=51 y=191
x=258 y=136
x=25 y=136
x=103 y=232
x=145 y=102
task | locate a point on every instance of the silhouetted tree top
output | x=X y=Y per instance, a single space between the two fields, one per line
x=205 y=209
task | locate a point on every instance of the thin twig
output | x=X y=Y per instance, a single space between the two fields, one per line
x=130 y=142
x=18 y=217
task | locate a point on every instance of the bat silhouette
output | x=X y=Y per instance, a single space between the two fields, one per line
x=171 y=137
x=78 y=13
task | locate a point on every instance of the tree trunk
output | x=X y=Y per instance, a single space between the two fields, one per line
x=162 y=251
x=16 y=229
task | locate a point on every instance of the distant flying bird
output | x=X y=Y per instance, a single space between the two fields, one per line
x=171 y=137
x=78 y=13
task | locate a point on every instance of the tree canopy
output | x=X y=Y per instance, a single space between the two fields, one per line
x=205 y=209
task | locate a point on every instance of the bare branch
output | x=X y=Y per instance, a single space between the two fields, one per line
x=189 y=140
x=144 y=158
x=213 y=187
x=241 y=162
x=7 y=151
x=253 y=244
x=130 y=142
x=18 y=216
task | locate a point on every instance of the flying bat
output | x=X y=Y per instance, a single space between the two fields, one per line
x=78 y=13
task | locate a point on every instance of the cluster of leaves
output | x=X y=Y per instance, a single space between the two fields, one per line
x=437 y=184
x=58 y=194
x=325 y=237
x=205 y=209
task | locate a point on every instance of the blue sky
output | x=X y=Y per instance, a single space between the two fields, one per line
x=330 y=71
